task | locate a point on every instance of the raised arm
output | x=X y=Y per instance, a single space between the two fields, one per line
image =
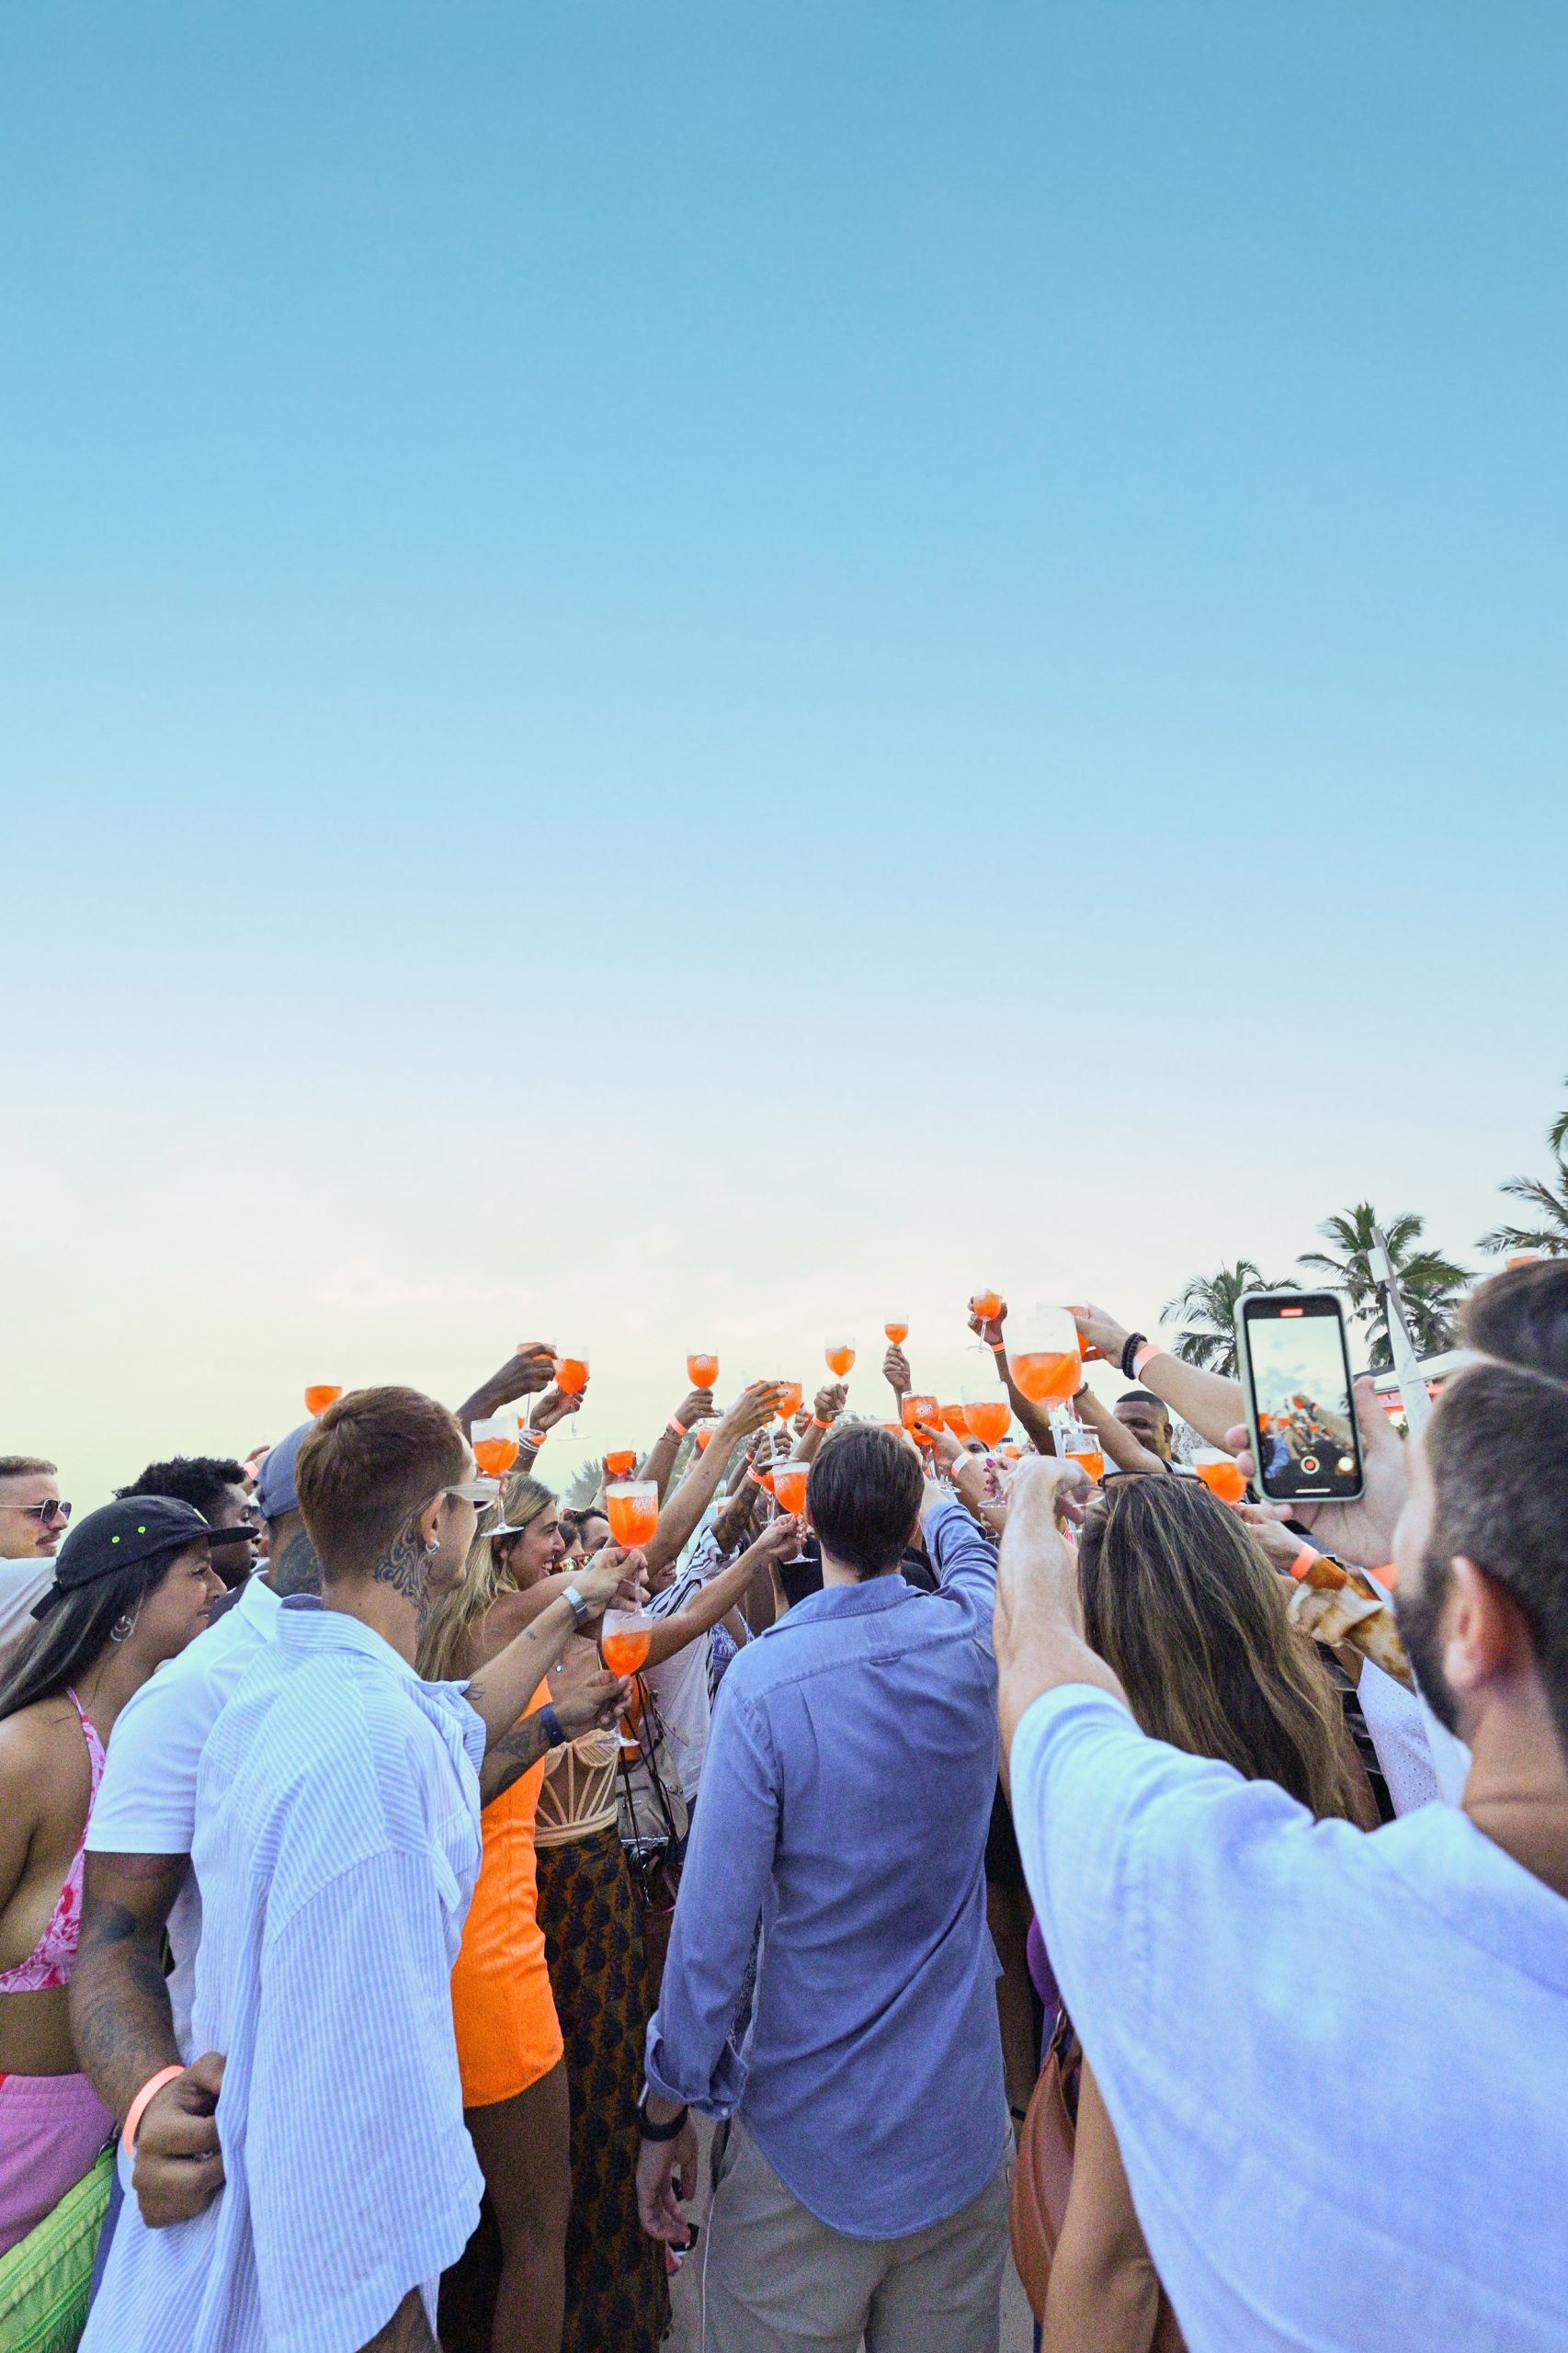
x=661 y=1460
x=1038 y=1629
x=525 y=1372
x=1036 y=1423
x=679 y=1517
x=826 y=1406
x=1115 y=1437
x=722 y=1594
x=1210 y=1402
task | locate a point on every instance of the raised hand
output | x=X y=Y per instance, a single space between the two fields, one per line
x=613 y=1580
x=595 y=1705
x=556 y=1405
x=896 y=1372
x=1361 y=1532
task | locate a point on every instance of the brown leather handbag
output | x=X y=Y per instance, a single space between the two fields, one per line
x=1044 y=2175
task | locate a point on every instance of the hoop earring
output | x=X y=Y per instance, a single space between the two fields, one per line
x=124 y=1626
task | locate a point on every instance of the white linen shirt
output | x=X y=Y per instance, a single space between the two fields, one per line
x=337 y=1843
x=146 y=1800
x=1336 y=2063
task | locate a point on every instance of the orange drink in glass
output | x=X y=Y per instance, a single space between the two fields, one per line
x=897 y=1329
x=1044 y=1359
x=790 y=1486
x=986 y=1304
x=1221 y=1474
x=620 y=1464
x=922 y=1409
x=571 y=1375
x=838 y=1356
x=702 y=1432
x=702 y=1370
x=788 y=1404
x=624 y=1637
x=953 y=1421
x=987 y=1418
x=631 y=1506
x=1080 y=1445
x=494 y=1444
x=320 y=1394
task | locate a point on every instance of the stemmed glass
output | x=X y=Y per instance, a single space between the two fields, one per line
x=1221 y=1474
x=897 y=1329
x=1044 y=1359
x=702 y=1369
x=494 y=1443
x=624 y=1639
x=631 y=1506
x=1082 y=1444
x=320 y=1394
x=839 y=1356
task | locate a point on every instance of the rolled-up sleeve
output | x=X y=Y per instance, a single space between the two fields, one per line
x=723 y=1888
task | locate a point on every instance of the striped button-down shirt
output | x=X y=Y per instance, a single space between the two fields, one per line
x=337 y=1843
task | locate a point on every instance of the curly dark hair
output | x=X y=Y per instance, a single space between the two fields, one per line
x=198 y=1479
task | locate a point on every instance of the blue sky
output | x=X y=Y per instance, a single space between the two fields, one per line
x=679 y=668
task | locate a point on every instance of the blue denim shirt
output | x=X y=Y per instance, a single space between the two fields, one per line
x=845 y=1803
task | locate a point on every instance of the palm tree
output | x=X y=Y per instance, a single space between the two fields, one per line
x=1430 y=1284
x=1547 y=1196
x=1207 y=1307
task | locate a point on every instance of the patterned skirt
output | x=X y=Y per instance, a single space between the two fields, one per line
x=617 y=2293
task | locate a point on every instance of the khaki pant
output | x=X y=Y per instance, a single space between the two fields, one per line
x=775 y=2279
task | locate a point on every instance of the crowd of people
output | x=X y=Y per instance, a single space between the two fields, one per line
x=1010 y=1845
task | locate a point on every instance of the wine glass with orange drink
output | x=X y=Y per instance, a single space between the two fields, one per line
x=494 y=1444
x=624 y=1639
x=897 y=1329
x=631 y=1506
x=1044 y=1359
x=702 y=1369
x=320 y=1394
x=1221 y=1474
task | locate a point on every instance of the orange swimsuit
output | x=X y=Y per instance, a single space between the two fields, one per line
x=507 y=2033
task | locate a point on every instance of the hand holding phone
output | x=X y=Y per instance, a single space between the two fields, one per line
x=1295 y=1369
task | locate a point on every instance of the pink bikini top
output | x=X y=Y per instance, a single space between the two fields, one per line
x=50 y=1962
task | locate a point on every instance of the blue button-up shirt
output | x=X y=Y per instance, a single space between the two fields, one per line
x=845 y=1803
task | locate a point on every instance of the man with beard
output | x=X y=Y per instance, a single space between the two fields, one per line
x=1335 y=2062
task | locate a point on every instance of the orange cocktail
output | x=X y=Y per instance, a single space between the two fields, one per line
x=631 y=1506
x=989 y=1419
x=1089 y=1459
x=922 y=1409
x=897 y=1330
x=494 y=1444
x=320 y=1394
x=621 y=1464
x=571 y=1375
x=624 y=1639
x=702 y=1432
x=702 y=1370
x=838 y=1356
x=954 y=1420
x=788 y=1404
x=1048 y=1376
x=986 y=1304
x=790 y=1486
x=1221 y=1474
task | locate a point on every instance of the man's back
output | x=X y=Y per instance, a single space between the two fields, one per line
x=337 y=1843
x=846 y=1801
x=1379 y=2155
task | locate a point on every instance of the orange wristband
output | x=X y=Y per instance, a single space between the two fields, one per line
x=1304 y=1562
x=139 y=2106
x=818 y=1424
x=676 y=1428
x=1141 y=1357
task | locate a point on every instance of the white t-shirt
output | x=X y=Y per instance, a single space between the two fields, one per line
x=146 y=1800
x=1336 y=2063
x=23 y=1583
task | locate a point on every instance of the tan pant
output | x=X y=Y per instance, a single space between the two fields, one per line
x=776 y=2281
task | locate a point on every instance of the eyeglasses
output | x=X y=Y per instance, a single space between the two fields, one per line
x=476 y=1491
x=42 y=1513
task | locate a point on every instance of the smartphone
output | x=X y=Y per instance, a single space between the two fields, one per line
x=1295 y=1368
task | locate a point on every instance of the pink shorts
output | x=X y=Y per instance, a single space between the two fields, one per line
x=52 y=2128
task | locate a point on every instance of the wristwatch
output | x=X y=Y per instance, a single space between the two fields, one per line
x=581 y=1612
x=651 y=2132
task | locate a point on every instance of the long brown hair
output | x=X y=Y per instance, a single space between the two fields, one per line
x=447 y=1642
x=1180 y=1603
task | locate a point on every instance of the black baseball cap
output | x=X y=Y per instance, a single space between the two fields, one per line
x=116 y=1537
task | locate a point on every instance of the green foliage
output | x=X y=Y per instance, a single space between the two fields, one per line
x=1208 y=1309
x=1430 y=1284
x=1547 y=1196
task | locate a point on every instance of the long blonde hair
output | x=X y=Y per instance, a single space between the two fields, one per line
x=447 y=1643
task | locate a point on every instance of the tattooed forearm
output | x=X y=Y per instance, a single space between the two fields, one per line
x=120 y=2019
x=408 y=2331
x=295 y=1568
x=508 y=1758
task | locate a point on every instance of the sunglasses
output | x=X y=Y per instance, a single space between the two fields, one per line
x=476 y=1491
x=42 y=1513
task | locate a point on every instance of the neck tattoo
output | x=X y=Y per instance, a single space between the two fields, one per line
x=403 y=1566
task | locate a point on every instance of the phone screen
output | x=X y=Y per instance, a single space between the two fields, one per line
x=1304 y=1417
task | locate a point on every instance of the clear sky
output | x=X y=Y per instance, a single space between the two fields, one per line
x=672 y=674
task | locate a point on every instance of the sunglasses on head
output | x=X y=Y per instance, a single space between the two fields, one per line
x=43 y=1513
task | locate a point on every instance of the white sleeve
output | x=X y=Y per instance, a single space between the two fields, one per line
x=146 y=1800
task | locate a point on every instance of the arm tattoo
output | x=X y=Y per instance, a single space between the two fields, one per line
x=121 y=2019
x=507 y=1759
x=405 y=1567
x=408 y=2331
x=296 y=1569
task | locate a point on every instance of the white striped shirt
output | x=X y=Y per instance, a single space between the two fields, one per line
x=337 y=1843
